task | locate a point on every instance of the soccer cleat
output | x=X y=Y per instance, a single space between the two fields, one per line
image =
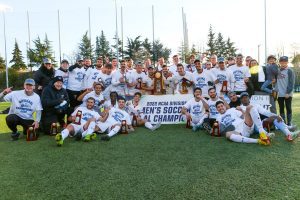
x=292 y=128
x=196 y=127
x=15 y=136
x=93 y=136
x=292 y=136
x=206 y=126
x=263 y=136
x=78 y=137
x=105 y=138
x=87 y=138
x=59 y=140
x=265 y=142
x=271 y=136
x=156 y=126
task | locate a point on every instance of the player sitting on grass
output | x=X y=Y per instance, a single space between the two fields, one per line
x=243 y=124
x=197 y=106
x=78 y=126
x=271 y=118
x=114 y=120
x=134 y=109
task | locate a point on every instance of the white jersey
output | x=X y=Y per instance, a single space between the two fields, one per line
x=119 y=87
x=132 y=109
x=133 y=77
x=116 y=116
x=232 y=117
x=178 y=81
x=196 y=108
x=98 y=99
x=90 y=77
x=223 y=75
x=240 y=73
x=201 y=81
x=23 y=105
x=64 y=75
x=108 y=105
x=213 y=113
x=169 y=83
x=259 y=109
x=173 y=69
x=86 y=114
x=76 y=77
x=190 y=68
x=106 y=80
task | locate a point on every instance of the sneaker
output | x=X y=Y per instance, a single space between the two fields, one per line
x=87 y=138
x=263 y=136
x=15 y=136
x=78 y=136
x=105 y=138
x=93 y=136
x=206 y=126
x=196 y=127
x=292 y=128
x=156 y=126
x=265 y=142
x=292 y=136
x=271 y=136
x=6 y=111
x=59 y=140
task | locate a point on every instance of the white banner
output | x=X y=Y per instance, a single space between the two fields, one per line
x=164 y=108
x=167 y=108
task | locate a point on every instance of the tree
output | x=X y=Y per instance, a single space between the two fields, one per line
x=17 y=60
x=220 y=46
x=296 y=60
x=230 y=50
x=2 y=64
x=160 y=51
x=134 y=48
x=147 y=49
x=41 y=50
x=85 y=48
x=211 y=42
x=102 y=46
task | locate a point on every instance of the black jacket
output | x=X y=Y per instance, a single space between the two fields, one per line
x=42 y=77
x=51 y=97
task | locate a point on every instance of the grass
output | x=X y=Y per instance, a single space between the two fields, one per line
x=171 y=163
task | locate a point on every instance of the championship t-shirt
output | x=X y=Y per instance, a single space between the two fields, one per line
x=196 y=108
x=240 y=73
x=232 y=117
x=23 y=105
x=86 y=114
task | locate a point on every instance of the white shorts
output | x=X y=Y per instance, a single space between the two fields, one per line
x=245 y=130
x=103 y=126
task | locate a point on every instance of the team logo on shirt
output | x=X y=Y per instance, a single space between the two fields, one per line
x=200 y=82
x=238 y=75
x=196 y=109
x=95 y=75
x=107 y=82
x=25 y=106
x=213 y=110
x=86 y=116
x=221 y=78
x=227 y=120
x=79 y=77
x=118 y=116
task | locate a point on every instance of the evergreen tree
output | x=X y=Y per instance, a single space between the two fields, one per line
x=102 y=46
x=160 y=51
x=85 y=47
x=114 y=49
x=2 y=64
x=134 y=48
x=41 y=50
x=230 y=50
x=17 y=60
x=211 y=42
x=147 y=49
x=220 y=46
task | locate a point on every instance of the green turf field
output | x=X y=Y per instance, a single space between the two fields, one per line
x=171 y=163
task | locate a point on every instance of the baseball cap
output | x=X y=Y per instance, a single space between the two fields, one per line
x=65 y=61
x=29 y=81
x=47 y=61
x=243 y=94
x=79 y=58
x=58 y=78
x=221 y=59
x=150 y=66
x=283 y=58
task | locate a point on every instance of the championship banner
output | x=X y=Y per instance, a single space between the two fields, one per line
x=167 y=108
x=164 y=108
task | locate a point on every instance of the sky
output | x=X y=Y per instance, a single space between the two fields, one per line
x=241 y=20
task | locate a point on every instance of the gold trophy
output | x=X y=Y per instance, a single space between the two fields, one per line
x=184 y=85
x=158 y=84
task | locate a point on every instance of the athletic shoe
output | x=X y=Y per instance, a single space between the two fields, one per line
x=271 y=136
x=264 y=142
x=292 y=128
x=196 y=127
x=105 y=138
x=156 y=126
x=59 y=139
x=78 y=136
x=87 y=138
x=292 y=136
x=15 y=136
x=263 y=136
x=206 y=126
x=93 y=136
x=6 y=111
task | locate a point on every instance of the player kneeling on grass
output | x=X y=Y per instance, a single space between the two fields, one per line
x=83 y=118
x=197 y=107
x=135 y=110
x=270 y=118
x=242 y=123
x=114 y=121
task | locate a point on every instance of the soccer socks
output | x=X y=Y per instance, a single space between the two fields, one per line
x=89 y=130
x=282 y=126
x=65 y=133
x=256 y=120
x=114 y=131
x=242 y=139
x=148 y=125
